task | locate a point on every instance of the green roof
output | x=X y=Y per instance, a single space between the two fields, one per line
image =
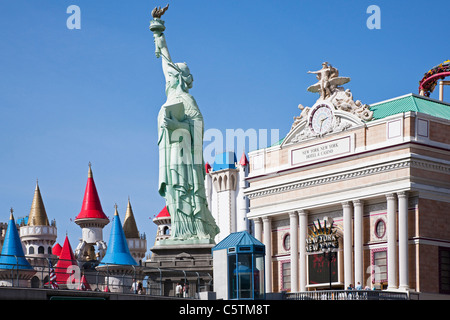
x=411 y=102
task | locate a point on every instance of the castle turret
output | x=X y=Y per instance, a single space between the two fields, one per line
x=226 y=198
x=92 y=220
x=118 y=261
x=65 y=266
x=137 y=243
x=38 y=235
x=242 y=203
x=223 y=194
x=12 y=259
x=162 y=220
x=208 y=185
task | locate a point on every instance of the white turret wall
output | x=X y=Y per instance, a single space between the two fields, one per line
x=242 y=201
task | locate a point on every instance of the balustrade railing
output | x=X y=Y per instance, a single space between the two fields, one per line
x=347 y=295
x=109 y=279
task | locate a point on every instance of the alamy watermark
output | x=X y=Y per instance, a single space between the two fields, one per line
x=374 y=20
x=188 y=147
x=74 y=20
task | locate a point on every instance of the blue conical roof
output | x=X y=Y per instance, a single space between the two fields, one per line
x=118 y=251
x=226 y=160
x=13 y=256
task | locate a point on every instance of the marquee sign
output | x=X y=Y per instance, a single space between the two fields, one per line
x=322 y=238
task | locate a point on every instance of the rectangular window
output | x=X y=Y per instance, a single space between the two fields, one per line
x=444 y=270
x=286 y=276
x=379 y=266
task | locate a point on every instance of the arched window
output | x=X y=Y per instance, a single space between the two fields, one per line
x=166 y=231
x=41 y=250
x=31 y=250
x=49 y=250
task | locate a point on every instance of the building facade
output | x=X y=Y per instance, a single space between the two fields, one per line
x=379 y=174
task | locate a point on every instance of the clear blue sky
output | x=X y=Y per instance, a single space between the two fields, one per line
x=68 y=97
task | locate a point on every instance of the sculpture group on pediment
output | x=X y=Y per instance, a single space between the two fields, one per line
x=346 y=111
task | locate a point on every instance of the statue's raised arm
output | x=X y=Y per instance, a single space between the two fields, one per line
x=161 y=49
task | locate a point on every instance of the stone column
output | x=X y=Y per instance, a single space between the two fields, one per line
x=258 y=229
x=267 y=225
x=348 y=252
x=303 y=230
x=403 y=240
x=359 y=239
x=293 y=230
x=391 y=241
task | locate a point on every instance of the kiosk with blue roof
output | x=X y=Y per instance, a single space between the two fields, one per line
x=239 y=267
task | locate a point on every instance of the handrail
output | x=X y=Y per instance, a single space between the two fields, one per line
x=97 y=279
x=346 y=295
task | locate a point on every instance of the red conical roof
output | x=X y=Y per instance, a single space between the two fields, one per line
x=207 y=167
x=91 y=208
x=84 y=284
x=56 y=250
x=163 y=213
x=243 y=162
x=65 y=260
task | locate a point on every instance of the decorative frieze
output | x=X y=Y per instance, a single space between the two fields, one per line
x=342 y=176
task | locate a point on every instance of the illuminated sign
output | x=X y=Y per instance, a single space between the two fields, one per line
x=322 y=239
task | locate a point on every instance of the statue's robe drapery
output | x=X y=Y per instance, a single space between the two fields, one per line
x=182 y=171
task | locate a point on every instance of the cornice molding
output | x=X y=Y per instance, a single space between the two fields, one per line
x=343 y=176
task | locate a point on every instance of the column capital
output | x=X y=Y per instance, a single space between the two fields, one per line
x=293 y=214
x=257 y=220
x=302 y=212
x=390 y=196
x=358 y=202
x=266 y=218
x=402 y=194
x=346 y=204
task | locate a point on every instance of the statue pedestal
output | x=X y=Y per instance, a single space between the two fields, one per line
x=176 y=261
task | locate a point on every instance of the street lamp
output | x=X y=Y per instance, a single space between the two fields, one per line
x=327 y=252
x=330 y=245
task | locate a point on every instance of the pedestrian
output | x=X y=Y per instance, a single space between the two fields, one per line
x=358 y=286
x=186 y=290
x=134 y=286
x=140 y=288
x=178 y=290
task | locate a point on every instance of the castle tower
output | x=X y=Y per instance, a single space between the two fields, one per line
x=162 y=220
x=137 y=243
x=227 y=202
x=208 y=185
x=12 y=259
x=242 y=203
x=56 y=250
x=118 y=260
x=66 y=260
x=38 y=235
x=92 y=220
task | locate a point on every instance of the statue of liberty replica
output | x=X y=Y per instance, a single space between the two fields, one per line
x=180 y=141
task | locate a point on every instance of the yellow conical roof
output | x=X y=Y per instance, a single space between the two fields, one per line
x=37 y=216
x=129 y=224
